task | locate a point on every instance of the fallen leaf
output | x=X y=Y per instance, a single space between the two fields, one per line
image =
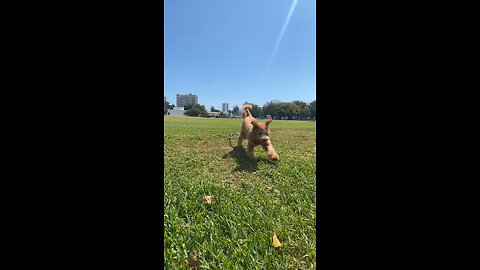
x=276 y=242
x=193 y=261
x=209 y=199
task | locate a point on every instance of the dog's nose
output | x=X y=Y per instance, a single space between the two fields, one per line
x=265 y=139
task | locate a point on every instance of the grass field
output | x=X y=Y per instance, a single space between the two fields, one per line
x=255 y=199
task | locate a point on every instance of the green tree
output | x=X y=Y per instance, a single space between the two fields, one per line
x=166 y=105
x=305 y=112
x=193 y=112
x=288 y=109
x=196 y=110
x=203 y=111
x=304 y=109
x=271 y=109
x=300 y=104
x=313 y=109
x=236 y=110
x=212 y=109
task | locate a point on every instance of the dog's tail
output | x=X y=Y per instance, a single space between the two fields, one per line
x=246 y=110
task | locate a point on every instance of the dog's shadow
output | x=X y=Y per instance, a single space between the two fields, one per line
x=239 y=154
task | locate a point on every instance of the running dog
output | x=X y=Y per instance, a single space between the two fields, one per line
x=256 y=134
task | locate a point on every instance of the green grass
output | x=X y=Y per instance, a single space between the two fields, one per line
x=255 y=198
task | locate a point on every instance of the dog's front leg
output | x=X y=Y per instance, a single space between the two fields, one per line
x=240 y=139
x=270 y=151
x=250 y=149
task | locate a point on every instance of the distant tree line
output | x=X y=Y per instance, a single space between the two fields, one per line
x=289 y=110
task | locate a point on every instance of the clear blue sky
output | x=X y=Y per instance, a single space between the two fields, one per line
x=224 y=51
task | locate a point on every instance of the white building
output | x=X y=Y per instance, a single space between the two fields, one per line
x=214 y=114
x=178 y=111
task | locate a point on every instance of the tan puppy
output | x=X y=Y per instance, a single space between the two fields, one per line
x=256 y=133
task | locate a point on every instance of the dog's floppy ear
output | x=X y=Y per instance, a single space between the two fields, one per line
x=268 y=121
x=255 y=123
